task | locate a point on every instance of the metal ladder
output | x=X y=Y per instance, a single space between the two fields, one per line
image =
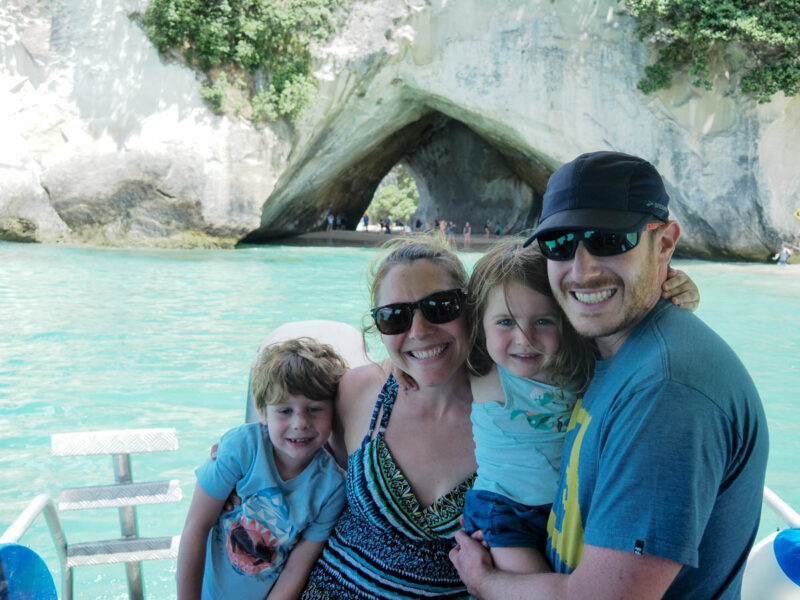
x=124 y=495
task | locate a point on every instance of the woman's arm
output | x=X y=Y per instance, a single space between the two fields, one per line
x=358 y=391
x=203 y=513
x=681 y=290
x=295 y=572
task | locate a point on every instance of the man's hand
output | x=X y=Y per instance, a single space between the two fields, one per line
x=681 y=290
x=472 y=561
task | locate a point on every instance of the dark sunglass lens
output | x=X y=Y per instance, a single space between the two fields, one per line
x=441 y=308
x=391 y=321
x=558 y=245
x=611 y=243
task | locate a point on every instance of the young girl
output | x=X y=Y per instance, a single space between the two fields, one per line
x=527 y=367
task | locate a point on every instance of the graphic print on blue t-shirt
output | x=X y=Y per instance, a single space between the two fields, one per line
x=545 y=421
x=565 y=525
x=257 y=533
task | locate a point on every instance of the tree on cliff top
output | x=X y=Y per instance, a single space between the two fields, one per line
x=270 y=39
x=686 y=31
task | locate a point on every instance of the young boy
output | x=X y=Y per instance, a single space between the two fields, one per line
x=292 y=491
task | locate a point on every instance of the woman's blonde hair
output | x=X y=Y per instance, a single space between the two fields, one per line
x=406 y=250
x=508 y=262
x=300 y=366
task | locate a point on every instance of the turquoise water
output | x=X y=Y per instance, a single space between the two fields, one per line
x=109 y=339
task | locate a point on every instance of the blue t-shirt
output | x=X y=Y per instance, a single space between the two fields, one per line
x=666 y=455
x=248 y=546
x=518 y=444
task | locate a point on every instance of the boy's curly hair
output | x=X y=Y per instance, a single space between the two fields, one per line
x=301 y=366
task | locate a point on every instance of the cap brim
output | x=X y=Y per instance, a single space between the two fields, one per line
x=591 y=218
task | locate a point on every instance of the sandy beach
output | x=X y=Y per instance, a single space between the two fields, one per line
x=373 y=239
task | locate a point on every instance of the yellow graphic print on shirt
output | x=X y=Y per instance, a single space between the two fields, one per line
x=567 y=542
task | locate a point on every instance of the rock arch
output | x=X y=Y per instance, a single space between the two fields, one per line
x=460 y=176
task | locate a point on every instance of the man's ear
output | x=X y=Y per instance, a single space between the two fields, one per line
x=668 y=240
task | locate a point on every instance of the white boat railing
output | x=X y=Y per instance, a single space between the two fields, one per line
x=42 y=503
x=783 y=510
x=124 y=494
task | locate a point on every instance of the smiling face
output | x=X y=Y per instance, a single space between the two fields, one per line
x=298 y=427
x=522 y=333
x=432 y=354
x=605 y=297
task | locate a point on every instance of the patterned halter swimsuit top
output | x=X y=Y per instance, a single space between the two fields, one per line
x=385 y=544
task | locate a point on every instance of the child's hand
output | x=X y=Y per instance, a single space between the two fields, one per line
x=231 y=501
x=681 y=290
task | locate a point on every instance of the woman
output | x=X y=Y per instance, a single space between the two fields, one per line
x=411 y=456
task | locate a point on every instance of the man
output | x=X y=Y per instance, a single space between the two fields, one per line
x=664 y=461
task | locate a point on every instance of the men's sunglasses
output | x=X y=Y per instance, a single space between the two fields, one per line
x=561 y=245
x=438 y=308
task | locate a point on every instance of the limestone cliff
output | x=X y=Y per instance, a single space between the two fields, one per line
x=105 y=142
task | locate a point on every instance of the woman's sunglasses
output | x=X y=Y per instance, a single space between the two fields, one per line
x=561 y=245
x=438 y=308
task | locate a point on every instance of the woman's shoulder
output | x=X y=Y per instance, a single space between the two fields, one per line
x=365 y=375
x=360 y=386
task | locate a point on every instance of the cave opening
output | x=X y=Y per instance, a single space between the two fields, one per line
x=460 y=172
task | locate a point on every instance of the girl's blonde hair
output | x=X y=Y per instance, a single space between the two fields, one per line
x=508 y=262
x=404 y=251
x=301 y=366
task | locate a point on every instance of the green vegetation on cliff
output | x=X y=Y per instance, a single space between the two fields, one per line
x=687 y=31
x=397 y=200
x=270 y=39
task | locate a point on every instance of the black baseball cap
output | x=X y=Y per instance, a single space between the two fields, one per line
x=604 y=191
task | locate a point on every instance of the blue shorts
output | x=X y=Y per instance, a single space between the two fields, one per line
x=504 y=522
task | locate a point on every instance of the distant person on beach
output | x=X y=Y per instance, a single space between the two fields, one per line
x=330 y=223
x=366 y=222
x=451 y=234
x=783 y=255
x=467 y=235
x=487 y=229
x=417 y=224
x=291 y=490
x=498 y=229
x=663 y=466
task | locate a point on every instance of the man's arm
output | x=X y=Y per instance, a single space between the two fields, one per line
x=203 y=513
x=294 y=575
x=602 y=574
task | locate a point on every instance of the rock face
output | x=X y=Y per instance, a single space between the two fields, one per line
x=104 y=142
